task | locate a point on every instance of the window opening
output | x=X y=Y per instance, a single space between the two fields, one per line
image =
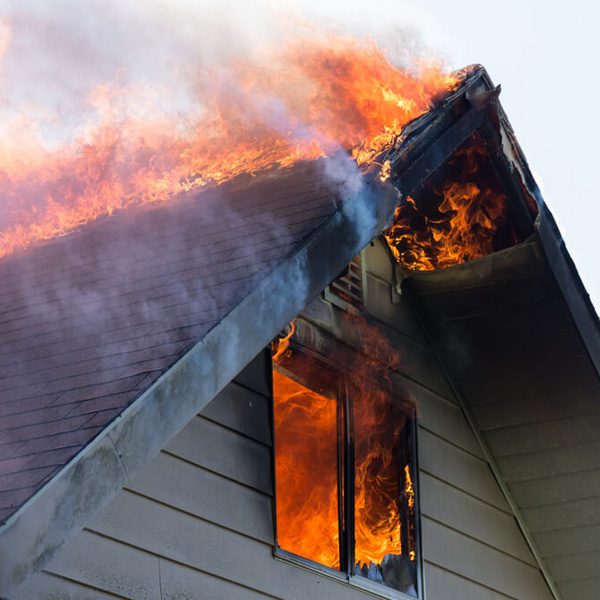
x=344 y=468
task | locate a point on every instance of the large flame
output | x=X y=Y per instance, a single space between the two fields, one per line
x=455 y=222
x=307 y=447
x=307 y=473
x=380 y=482
x=303 y=101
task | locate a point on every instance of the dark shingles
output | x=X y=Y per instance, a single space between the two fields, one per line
x=9 y=510
x=78 y=437
x=25 y=477
x=12 y=498
x=43 y=415
x=132 y=293
x=11 y=407
x=103 y=417
x=51 y=458
x=91 y=320
x=32 y=432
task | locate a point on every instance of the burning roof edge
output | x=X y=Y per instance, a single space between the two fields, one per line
x=485 y=111
x=32 y=535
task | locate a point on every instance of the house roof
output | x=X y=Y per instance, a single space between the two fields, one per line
x=91 y=320
x=114 y=337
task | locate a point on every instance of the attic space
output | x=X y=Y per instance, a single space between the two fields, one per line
x=465 y=210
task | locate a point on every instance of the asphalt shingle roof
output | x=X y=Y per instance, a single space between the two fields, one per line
x=90 y=320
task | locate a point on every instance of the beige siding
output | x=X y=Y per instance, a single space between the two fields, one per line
x=444 y=584
x=196 y=522
x=53 y=587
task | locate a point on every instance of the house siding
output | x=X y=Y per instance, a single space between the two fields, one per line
x=197 y=521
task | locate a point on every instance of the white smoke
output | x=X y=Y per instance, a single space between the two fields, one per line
x=55 y=54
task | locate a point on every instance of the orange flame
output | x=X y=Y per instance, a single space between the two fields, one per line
x=378 y=525
x=307 y=476
x=378 y=429
x=468 y=212
x=282 y=345
x=309 y=99
x=307 y=455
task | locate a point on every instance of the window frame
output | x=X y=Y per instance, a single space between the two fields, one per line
x=344 y=399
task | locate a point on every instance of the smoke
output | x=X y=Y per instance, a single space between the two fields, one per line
x=55 y=54
x=345 y=174
x=106 y=105
x=60 y=53
x=4 y=37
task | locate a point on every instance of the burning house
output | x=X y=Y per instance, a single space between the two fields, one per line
x=316 y=382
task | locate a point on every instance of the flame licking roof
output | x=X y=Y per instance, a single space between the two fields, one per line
x=308 y=100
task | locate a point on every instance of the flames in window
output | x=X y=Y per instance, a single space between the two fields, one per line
x=314 y=488
x=378 y=428
x=307 y=472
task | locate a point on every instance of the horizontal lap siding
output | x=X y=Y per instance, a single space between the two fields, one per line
x=212 y=548
x=472 y=546
x=53 y=587
x=444 y=584
x=469 y=558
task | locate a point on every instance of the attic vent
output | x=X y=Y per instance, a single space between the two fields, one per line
x=350 y=288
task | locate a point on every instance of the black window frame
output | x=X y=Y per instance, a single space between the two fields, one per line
x=346 y=462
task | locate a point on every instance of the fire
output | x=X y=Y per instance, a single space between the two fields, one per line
x=308 y=455
x=282 y=349
x=377 y=430
x=378 y=426
x=409 y=492
x=307 y=474
x=301 y=102
x=453 y=223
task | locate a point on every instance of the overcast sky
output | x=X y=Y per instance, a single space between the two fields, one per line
x=545 y=54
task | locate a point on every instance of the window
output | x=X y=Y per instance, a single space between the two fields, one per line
x=344 y=468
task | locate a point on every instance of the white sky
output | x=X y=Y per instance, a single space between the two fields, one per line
x=545 y=54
